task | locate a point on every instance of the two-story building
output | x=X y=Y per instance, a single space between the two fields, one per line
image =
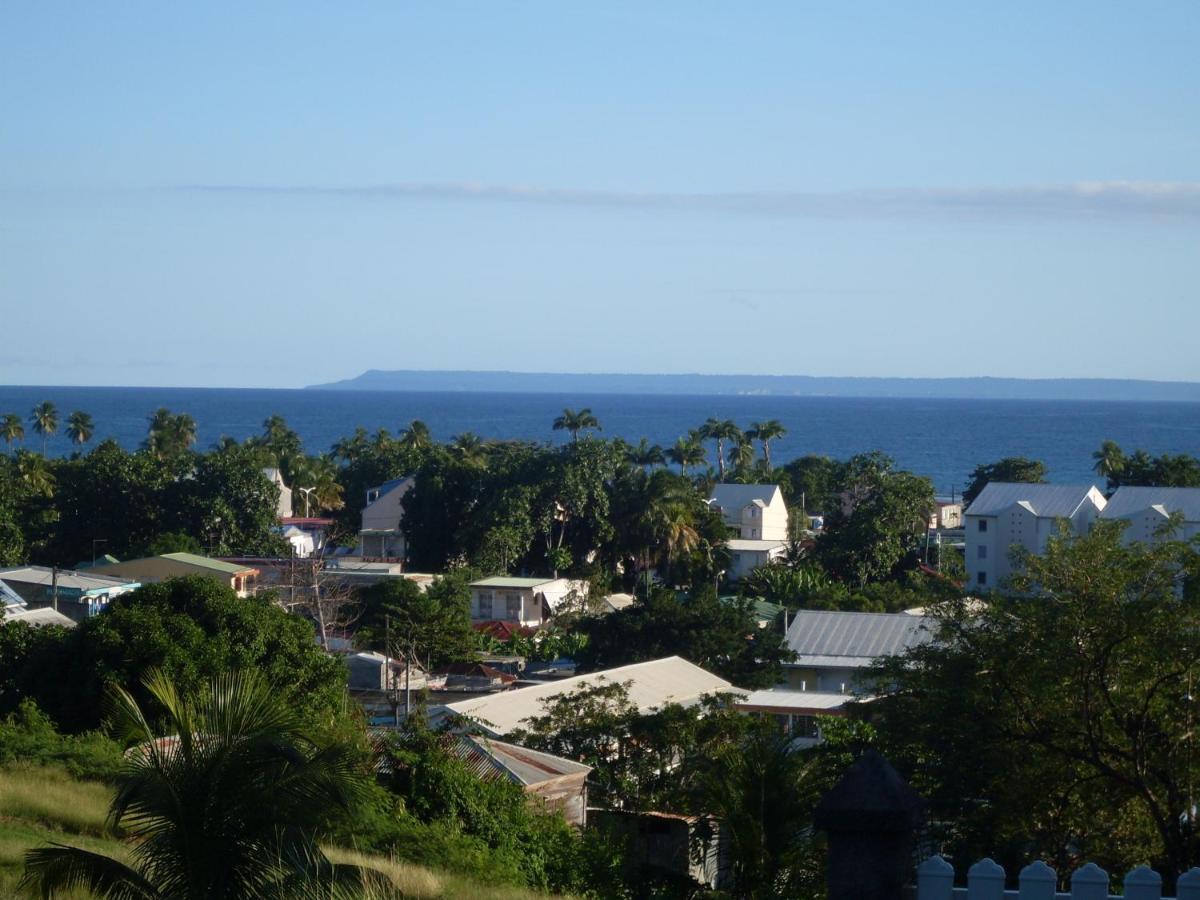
x=1006 y=515
x=1149 y=509
x=380 y=536
x=754 y=512
x=527 y=602
x=283 y=507
x=747 y=554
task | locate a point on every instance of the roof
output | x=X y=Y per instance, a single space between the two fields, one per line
x=504 y=581
x=651 y=685
x=9 y=598
x=387 y=487
x=794 y=702
x=204 y=562
x=732 y=497
x=36 y=618
x=1130 y=501
x=1051 y=501
x=746 y=545
x=618 y=602
x=489 y=758
x=80 y=582
x=853 y=639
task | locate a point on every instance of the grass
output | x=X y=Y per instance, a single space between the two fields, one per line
x=39 y=806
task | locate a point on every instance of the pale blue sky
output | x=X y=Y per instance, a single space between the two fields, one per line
x=292 y=193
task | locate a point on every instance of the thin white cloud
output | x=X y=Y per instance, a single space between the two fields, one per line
x=1101 y=200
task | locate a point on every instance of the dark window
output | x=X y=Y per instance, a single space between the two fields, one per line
x=981 y=577
x=983 y=524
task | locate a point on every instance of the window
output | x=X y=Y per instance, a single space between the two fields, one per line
x=981 y=577
x=983 y=524
x=512 y=604
x=484 y=602
x=981 y=551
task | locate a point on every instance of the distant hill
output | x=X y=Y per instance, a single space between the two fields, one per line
x=771 y=385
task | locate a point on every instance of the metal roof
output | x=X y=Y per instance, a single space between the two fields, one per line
x=731 y=497
x=1050 y=501
x=504 y=581
x=84 y=583
x=748 y=545
x=1131 y=501
x=794 y=702
x=651 y=685
x=36 y=618
x=853 y=639
x=489 y=758
x=204 y=562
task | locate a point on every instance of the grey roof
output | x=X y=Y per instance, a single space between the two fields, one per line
x=850 y=639
x=1130 y=501
x=490 y=758
x=83 y=582
x=504 y=581
x=1051 y=501
x=36 y=618
x=731 y=497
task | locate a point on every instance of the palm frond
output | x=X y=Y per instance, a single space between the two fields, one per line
x=49 y=870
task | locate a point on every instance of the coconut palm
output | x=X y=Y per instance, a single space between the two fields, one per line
x=317 y=477
x=34 y=474
x=470 y=448
x=721 y=430
x=575 y=422
x=80 y=427
x=44 y=419
x=12 y=429
x=646 y=454
x=764 y=433
x=1110 y=463
x=170 y=435
x=416 y=436
x=685 y=453
x=741 y=455
x=228 y=805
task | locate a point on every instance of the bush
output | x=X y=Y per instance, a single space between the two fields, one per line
x=28 y=737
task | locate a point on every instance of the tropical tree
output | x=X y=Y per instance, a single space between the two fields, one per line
x=471 y=449
x=575 y=422
x=12 y=429
x=228 y=804
x=721 y=430
x=317 y=478
x=764 y=433
x=44 y=418
x=1110 y=463
x=741 y=455
x=416 y=436
x=1010 y=469
x=646 y=454
x=170 y=435
x=80 y=427
x=686 y=453
x=33 y=472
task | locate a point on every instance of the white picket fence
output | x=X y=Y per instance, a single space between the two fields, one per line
x=985 y=881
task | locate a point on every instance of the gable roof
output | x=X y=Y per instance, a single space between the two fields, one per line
x=504 y=581
x=204 y=562
x=854 y=639
x=387 y=487
x=651 y=685
x=736 y=497
x=1049 y=501
x=1130 y=501
x=489 y=758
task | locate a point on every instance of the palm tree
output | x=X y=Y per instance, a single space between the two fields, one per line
x=646 y=454
x=765 y=432
x=686 y=452
x=741 y=455
x=34 y=473
x=170 y=435
x=575 y=422
x=44 y=418
x=470 y=448
x=227 y=806
x=416 y=436
x=318 y=475
x=12 y=429
x=721 y=430
x=1110 y=463
x=80 y=427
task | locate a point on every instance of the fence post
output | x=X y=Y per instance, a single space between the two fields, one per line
x=935 y=879
x=1188 y=885
x=985 y=881
x=1038 y=882
x=871 y=816
x=1143 y=883
x=1089 y=883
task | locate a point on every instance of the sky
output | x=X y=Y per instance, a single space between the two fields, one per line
x=274 y=195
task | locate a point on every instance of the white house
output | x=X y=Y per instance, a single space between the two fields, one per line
x=522 y=601
x=747 y=554
x=283 y=508
x=380 y=536
x=752 y=511
x=1005 y=515
x=1147 y=509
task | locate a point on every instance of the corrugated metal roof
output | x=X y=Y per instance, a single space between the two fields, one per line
x=747 y=545
x=67 y=580
x=651 y=685
x=850 y=639
x=503 y=581
x=1047 y=500
x=794 y=702
x=204 y=562
x=734 y=497
x=36 y=618
x=489 y=758
x=1131 y=501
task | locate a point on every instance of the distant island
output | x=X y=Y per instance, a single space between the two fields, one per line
x=771 y=385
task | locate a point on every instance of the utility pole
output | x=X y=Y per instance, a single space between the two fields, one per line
x=54 y=587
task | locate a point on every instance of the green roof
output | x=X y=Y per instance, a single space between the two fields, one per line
x=506 y=581
x=203 y=562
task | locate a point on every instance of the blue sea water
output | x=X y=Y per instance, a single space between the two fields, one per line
x=943 y=439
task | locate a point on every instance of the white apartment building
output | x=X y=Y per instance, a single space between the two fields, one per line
x=1148 y=509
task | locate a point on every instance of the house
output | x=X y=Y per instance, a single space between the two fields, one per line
x=669 y=847
x=524 y=601
x=650 y=685
x=380 y=536
x=833 y=648
x=1148 y=509
x=1005 y=515
x=747 y=554
x=13 y=608
x=306 y=534
x=796 y=712
x=947 y=516
x=371 y=671
x=153 y=569
x=550 y=782
x=752 y=511
x=76 y=595
x=283 y=508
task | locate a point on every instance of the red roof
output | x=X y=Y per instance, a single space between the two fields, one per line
x=502 y=631
x=306 y=520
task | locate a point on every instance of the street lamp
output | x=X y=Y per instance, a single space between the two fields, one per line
x=306 y=492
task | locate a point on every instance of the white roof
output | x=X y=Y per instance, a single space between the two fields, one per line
x=794 y=702
x=37 y=618
x=651 y=685
x=746 y=545
x=1131 y=501
x=620 y=601
x=67 y=580
x=1050 y=501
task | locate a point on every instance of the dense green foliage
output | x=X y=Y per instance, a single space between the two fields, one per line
x=28 y=737
x=1142 y=469
x=1014 y=469
x=435 y=624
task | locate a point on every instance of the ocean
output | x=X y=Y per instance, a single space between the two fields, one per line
x=942 y=439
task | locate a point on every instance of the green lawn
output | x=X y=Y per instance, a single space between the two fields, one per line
x=39 y=806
